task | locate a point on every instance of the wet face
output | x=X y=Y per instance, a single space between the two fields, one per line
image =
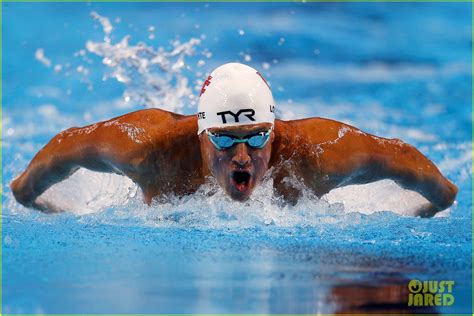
x=240 y=168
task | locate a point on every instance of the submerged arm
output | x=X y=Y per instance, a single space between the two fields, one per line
x=334 y=154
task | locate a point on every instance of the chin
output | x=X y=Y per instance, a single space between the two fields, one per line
x=239 y=196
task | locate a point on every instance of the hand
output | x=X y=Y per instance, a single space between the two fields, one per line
x=21 y=191
x=446 y=194
x=427 y=210
x=444 y=198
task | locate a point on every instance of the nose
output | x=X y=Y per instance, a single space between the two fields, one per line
x=241 y=156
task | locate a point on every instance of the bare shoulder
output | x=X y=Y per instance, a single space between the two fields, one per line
x=311 y=131
x=331 y=144
x=132 y=139
x=152 y=125
x=151 y=117
x=167 y=158
x=315 y=129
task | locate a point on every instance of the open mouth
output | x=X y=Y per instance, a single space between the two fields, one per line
x=241 y=180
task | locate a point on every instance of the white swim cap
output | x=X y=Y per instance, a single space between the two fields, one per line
x=234 y=94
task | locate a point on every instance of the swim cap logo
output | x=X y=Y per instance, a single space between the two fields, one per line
x=250 y=115
x=430 y=293
x=205 y=84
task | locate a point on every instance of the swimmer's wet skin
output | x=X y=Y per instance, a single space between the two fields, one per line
x=234 y=138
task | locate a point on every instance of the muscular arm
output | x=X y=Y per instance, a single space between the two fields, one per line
x=332 y=154
x=137 y=145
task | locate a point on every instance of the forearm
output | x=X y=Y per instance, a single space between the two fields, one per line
x=413 y=171
x=56 y=161
x=35 y=180
x=50 y=165
x=332 y=154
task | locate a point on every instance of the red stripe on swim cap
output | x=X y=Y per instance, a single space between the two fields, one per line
x=205 y=84
x=263 y=80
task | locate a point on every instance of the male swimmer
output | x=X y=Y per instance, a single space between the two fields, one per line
x=234 y=138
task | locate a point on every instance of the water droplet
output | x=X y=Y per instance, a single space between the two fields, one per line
x=40 y=56
x=247 y=57
x=269 y=221
x=241 y=32
x=266 y=66
x=281 y=41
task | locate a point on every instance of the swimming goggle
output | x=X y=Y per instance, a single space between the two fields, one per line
x=258 y=140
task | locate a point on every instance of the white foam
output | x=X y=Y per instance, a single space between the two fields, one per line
x=88 y=192
x=384 y=195
x=153 y=77
x=106 y=25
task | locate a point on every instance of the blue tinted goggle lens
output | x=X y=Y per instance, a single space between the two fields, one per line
x=224 y=141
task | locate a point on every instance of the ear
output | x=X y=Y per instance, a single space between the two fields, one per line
x=205 y=143
x=201 y=137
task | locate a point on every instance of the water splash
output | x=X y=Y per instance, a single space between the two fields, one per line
x=40 y=56
x=152 y=77
x=116 y=200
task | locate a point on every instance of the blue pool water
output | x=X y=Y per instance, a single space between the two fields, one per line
x=395 y=70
